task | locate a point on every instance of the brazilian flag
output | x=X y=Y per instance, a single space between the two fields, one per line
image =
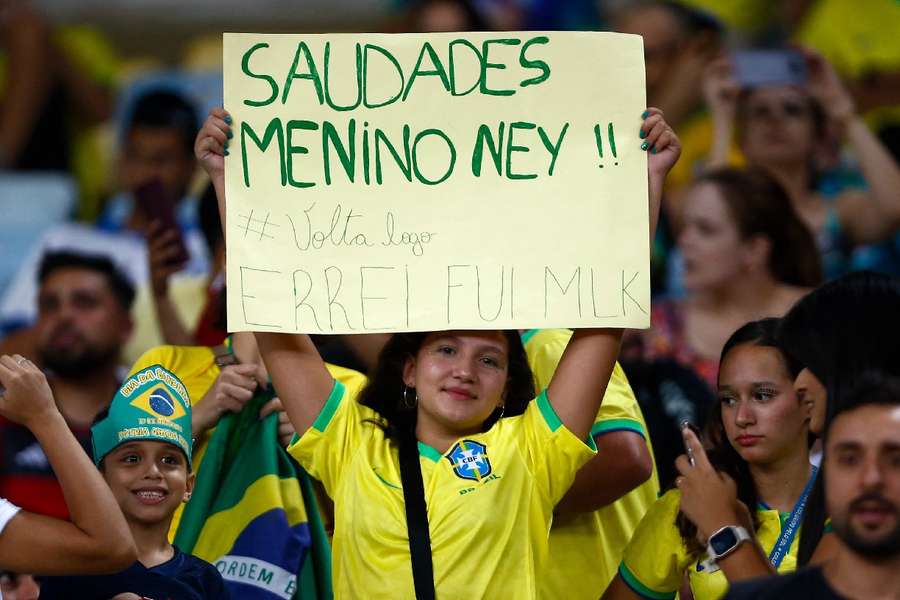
x=253 y=513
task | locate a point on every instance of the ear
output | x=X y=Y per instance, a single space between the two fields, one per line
x=757 y=250
x=189 y=486
x=409 y=372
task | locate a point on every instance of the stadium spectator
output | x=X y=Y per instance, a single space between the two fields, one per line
x=84 y=320
x=785 y=130
x=746 y=256
x=157 y=149
x=757 y=434
x=861 y=471
x=97 y=539
x=142 y=446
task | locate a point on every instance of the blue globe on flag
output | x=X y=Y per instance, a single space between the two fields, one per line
x=162 y=403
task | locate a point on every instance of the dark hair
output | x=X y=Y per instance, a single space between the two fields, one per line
x=721 y=453
x=870 y=388
x=119 y=284
x=385 y=390
x=760 y=206
x=840 y=331
x=166 y=109
x=844 y=328
x=474 y=19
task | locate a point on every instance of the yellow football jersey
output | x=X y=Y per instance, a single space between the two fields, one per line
x=490 y=499
x=585 y=549
x=656 y=559
x=196 y=367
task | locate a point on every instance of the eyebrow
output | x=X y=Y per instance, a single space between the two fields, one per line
x=753 y=383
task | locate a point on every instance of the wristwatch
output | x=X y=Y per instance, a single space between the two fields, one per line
x=725 y=541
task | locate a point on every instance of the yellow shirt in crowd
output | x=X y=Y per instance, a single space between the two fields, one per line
x=196 y=367
x=585 y=549
x=656 y=558
x=489 y=498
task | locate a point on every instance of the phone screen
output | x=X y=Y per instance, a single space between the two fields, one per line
x=157 y=205
x=756 y=68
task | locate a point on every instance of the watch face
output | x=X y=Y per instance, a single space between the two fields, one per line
x=723 y=541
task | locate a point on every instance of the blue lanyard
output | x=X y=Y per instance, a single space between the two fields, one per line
x=792 y=525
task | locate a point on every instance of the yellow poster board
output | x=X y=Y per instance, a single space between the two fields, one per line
x=418 y=182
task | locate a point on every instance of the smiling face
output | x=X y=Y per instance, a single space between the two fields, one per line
x=761 y=415
x=459 y=378
x=862 y=479
x=148 y=479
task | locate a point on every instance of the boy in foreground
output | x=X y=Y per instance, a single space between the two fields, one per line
x=142 y=446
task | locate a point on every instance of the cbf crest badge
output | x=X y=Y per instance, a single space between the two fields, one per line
x=469 y=460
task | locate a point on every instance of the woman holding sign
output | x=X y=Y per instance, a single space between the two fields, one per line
x=444 y=474
x=758 y=434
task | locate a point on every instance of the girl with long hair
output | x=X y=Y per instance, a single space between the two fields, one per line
x=447 y=426
x=746 y=256
x=757 y=434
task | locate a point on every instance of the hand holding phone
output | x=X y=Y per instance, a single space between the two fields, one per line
x=158 y=206
x=687 y=447
x=759 y=68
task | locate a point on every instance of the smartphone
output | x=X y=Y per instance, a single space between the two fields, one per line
x=757 y=68
x=687 y=449
x=158 y=205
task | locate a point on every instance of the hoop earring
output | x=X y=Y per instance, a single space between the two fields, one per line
x=406 y=402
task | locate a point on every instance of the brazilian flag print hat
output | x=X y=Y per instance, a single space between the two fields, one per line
x=152 y=405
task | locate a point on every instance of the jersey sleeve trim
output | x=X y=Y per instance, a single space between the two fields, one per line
x=611 y=425
x=331 y=406
x=550 y=416
x=639 y=588
x=528 y=335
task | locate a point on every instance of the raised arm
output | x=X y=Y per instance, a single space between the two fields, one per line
x=874 y=215
x=97 y=540
x=298 y=372
x=579 y=383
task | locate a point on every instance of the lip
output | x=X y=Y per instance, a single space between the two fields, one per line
x=748 y=440
x=459 y=393
x=150 y=496
x=873 y=513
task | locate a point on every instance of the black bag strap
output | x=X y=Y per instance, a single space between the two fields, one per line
x=416 y=518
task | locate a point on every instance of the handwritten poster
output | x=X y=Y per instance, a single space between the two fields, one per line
x=382 y=183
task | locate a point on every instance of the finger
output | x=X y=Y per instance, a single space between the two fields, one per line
x=691 y=440
x=261 y=376
x=232 y=391
x=214 y=134
x=21 y=362
x=649 y=123
x=285 y=430
x=246 y=369
x=653 y=134
x=679 y=481
x=662 y=142
x=220 y=113
x=208 y=144
x=683 y=464
x=273 y=405
x=5 y=371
